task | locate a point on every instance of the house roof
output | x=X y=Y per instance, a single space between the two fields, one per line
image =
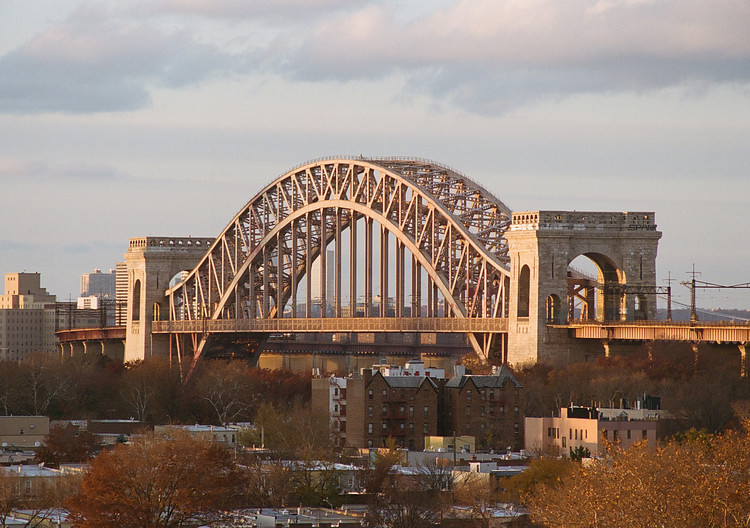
x=407 y=382
x=496 y=380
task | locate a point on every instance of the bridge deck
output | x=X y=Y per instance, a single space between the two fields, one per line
x=712 y=332
x=334 y=325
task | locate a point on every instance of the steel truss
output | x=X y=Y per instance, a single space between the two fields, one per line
x=452 y=229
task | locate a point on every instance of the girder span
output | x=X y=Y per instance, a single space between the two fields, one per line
x=452 y=228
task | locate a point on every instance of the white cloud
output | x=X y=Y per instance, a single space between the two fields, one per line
x=488 y=55
x=18 y=170
x=485 y=56
x=94 y=63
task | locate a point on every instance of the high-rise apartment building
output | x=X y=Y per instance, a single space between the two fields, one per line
x=27 y=318
x=121 y=293
x=98 y=284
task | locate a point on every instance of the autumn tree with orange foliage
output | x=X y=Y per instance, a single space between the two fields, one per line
x=701 y=481
x=157 y=481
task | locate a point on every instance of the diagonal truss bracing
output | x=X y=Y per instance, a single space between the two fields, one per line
x=452 y=228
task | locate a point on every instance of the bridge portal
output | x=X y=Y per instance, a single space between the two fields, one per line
x=545 y=293
x=152 y=262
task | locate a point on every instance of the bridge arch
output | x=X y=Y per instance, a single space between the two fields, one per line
x=452 y=227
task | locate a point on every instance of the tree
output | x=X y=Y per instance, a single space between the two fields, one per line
x=225 y=387
x=691 y=483
x=157 y=481
x=399 y=501
x=579 y=453
x=43 y=494
x=67 y=444
x=294 y=432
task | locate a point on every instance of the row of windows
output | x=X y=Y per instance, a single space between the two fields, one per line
x=402 y=410
x=616 y=434
x=467 y=428
x=402 y=427
x=384 y=394
x=483 y=393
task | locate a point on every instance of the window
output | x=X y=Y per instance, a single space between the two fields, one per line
x=644 y=435
x=384 y=393
x=570 y=433
x=616 y=435
x=369 y=394
x=369 y=411
x=369 y=428
x=384 y=410
x=483 y=410
x=336 y=391
x=576 y=434
x=411 y=411
x=515 y=411
x=524 y=281
x=402 y=409
x=336 y=407
x=426 y=428
x=426 y=411
x=369 y=443
x=468 y=411
x=411 y=427
x=516 y=429
x=384 y=426
x=628 y=434
x=563 y=442
x=401 y=426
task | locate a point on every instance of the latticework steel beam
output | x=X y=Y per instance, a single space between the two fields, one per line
x=451 y=228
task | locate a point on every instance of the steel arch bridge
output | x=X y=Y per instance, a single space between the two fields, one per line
x=257 y=272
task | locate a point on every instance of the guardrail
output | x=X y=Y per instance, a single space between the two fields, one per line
x=333 y=325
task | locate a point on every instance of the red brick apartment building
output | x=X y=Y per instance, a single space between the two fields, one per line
x=365 y=411
x=402 y=407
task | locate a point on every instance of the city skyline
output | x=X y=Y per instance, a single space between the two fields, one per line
x=127 y=119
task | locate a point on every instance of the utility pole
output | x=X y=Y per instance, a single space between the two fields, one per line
x=693 y=284
x=669 y=297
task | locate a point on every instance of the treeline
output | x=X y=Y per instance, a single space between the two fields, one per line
x=691 y=481
x=699 y=395
x=148 y=391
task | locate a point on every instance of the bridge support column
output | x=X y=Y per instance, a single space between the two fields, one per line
x=151 y=264
x=743 y=359
x=92 y=347
x=77 y=349
x=114 y=350
x=541 y=246
x=696 y=357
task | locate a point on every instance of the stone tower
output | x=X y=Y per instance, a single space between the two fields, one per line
x=541 y=246
x=152 y=263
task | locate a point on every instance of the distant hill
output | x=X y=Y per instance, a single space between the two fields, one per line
x=716 y=314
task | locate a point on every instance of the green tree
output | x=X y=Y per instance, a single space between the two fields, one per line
x=579 y=453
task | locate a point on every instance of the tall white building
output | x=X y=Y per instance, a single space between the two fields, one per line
x=27 y=318
x=330 y=283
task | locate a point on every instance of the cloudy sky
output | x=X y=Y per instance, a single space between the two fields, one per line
x=164 y=117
